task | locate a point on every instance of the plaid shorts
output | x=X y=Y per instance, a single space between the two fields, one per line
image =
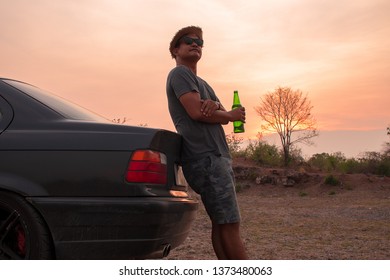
x=213 y=179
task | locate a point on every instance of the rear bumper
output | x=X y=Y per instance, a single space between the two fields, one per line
x=116 y=228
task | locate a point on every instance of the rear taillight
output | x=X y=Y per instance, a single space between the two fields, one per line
x=146 y=166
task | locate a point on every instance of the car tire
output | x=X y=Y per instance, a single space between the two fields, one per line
x=23 y=232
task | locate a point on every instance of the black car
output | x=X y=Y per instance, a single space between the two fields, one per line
x=74 y=185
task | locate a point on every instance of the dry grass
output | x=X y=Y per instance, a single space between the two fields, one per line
x=310 y=220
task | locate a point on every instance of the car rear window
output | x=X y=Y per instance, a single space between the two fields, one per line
x=64 y=107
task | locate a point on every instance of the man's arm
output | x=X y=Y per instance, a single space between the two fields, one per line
x=207 y=111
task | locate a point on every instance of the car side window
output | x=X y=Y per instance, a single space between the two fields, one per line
x=56 y=103
x=6 y=114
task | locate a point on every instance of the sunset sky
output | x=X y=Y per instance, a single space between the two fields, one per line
x=111 y=56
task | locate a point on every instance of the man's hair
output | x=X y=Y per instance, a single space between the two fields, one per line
x=181 y=33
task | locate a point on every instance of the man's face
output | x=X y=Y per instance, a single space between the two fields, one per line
x=190 y=47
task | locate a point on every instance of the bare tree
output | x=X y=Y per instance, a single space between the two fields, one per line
x=234 y=143
x=286 y=111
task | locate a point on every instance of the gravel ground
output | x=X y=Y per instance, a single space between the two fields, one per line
x=309 y=220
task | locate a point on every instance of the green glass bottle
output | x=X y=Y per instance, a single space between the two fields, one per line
x=238 y=126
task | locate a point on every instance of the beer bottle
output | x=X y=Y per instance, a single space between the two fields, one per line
x=238 y=126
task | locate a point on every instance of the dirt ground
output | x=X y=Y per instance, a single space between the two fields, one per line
x=307 y=219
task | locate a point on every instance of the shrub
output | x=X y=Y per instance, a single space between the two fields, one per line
x=264 y=154
x=368 y=162
x=302 y=194
x=327 y=162
x=332 y=180
x=238 y=188
x=375 y=163
x=384 y=167
x=350 y=166
x=295 y=157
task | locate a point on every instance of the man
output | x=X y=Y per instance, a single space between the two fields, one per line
x=197 y=115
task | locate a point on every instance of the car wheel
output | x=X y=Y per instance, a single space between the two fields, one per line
x=23 y=233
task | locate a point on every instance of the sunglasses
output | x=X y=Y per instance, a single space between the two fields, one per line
x=190 y=41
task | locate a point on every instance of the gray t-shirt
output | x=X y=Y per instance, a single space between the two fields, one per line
x=199 y=138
